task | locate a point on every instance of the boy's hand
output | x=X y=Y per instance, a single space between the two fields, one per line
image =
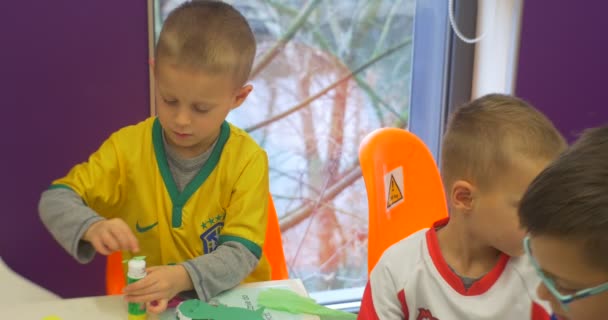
x=159 y=286
x=111 y=235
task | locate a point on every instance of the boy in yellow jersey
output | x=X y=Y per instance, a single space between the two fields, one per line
x=186 y=189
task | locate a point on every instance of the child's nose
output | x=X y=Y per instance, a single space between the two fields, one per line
x=183 y=117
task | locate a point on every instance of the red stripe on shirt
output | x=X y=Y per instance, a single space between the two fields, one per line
x=367 y=310
x=539 y=313
x=401 y=296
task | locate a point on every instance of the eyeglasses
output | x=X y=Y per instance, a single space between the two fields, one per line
x=564 y=299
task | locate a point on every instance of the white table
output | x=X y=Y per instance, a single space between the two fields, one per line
x=104 y=307
x=91 y=308
x=17 y=289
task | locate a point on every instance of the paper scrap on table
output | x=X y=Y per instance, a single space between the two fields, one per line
x=286 y=300
x=197 y=309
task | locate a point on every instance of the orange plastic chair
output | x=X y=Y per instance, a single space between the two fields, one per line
x=115 y=277
x=273 y=250
x=404 y=188
x=273 y=245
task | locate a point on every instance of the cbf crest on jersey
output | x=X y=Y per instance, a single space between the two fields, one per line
x=211 y=236
x=425 y=314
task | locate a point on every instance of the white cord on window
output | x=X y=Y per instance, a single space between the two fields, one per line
x=455 y=27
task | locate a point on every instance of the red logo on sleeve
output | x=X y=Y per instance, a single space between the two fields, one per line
x=425 y=314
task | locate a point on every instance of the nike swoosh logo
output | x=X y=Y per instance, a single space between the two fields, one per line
x=141 y=229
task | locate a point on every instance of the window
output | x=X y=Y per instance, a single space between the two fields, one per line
x=328 y=73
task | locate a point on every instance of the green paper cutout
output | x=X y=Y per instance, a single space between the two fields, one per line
x=199 y=310
x=289 y=301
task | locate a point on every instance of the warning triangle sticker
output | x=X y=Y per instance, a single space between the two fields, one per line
x=394 y=193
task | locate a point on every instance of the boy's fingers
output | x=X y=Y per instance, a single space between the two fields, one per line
x=120 y=237
x=126 y=239
x=158 y=307
x=140 y=287
x=108 y=240
x=129 y=241
x=100 y=247
x=144 y=298
x=132 y=241
x=152 y=269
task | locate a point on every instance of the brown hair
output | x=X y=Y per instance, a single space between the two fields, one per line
x=210 y=36
x=483 y=135
x=569 y=199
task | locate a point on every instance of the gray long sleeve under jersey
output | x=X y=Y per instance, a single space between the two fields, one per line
x=67 y=218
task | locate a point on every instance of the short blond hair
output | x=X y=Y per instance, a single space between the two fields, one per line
x=484 y=135
x=209 y=36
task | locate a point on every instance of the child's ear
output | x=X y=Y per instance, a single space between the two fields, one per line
x=461 y=195
x=242 y=94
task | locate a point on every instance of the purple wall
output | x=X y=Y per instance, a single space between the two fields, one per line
x=71 y=72
x=563 y=62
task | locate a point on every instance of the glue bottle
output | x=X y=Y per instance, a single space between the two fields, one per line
x=136 y=272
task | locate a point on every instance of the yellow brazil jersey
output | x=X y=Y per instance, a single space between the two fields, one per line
x=129 y=178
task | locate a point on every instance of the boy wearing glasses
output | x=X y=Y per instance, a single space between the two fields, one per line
x=565 y=211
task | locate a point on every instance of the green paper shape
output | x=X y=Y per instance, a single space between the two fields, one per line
x=199 y=310
x=289 y=301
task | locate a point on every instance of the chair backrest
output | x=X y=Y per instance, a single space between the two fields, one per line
x=273 y=245
x=404 y=188
x=273 y=250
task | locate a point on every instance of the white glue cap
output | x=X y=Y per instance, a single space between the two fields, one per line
x=137 y=269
